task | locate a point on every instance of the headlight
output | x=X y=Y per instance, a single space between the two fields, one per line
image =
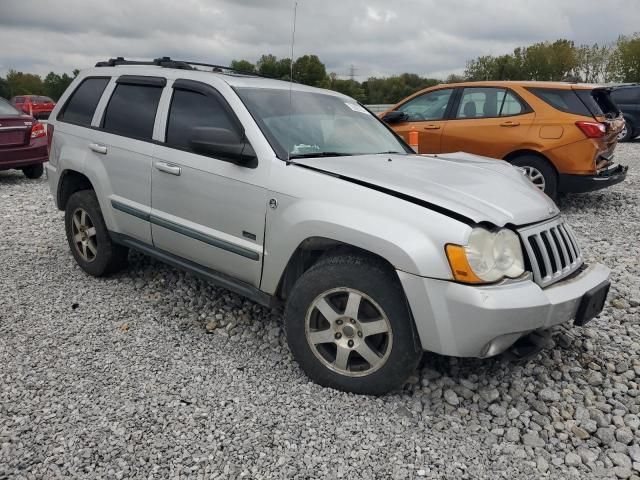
x=488 y=257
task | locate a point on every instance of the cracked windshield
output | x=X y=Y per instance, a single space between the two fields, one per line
x=304 y=124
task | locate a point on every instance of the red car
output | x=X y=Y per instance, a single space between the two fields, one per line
x=35 y=105
x=23 y=141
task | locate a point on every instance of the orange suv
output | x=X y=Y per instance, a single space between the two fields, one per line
x=563 y=135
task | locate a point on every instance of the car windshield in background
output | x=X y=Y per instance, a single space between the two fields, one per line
x=41 y=100
x=308 y=124
x=7 y=109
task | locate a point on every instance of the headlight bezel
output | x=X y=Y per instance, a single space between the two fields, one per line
x=489 y=256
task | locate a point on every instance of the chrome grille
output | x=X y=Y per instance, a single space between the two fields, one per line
x=552 y=250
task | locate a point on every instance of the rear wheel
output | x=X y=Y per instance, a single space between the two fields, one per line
x=626 y=135
x=349 y=328
x=540 y=172
x=33 y=171
x=89 y=238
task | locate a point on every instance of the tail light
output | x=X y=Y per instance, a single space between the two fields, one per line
x=592 y=129
x=38 y=130
x=49 y=136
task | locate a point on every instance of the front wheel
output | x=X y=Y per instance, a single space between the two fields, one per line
x=540 y=172
x=33 y=171
x=349 y=328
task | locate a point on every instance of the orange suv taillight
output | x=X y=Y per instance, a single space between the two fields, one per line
x=592 y=129
x=38 y=131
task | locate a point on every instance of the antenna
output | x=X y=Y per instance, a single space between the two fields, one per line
x=293 y=38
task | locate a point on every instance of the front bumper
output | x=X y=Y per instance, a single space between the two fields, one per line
x=470 y=321
x=589 y=183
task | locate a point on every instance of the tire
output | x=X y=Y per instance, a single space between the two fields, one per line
x=627 y=133
x=95 y=252
x=33 y=171
x=337 y=279
x=540 y=172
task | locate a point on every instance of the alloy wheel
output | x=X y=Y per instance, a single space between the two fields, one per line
x=348 y=332
x=536 y=177
x=84 y=235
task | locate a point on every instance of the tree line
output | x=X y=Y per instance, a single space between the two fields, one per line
x=19 y=83
x=563 y=59
x=553 y=61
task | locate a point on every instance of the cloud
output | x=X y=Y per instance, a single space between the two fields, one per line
x=376 y=37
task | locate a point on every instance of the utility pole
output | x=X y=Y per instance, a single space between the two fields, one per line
x=352 y=72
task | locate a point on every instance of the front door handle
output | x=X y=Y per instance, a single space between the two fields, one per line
x=510 y=124
x=432 y=127
x=98 y=148
x=166 y=168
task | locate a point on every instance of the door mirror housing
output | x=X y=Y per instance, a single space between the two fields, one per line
x=224 y=144
x=395 y=117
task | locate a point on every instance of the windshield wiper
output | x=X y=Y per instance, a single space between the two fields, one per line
x=320 y=154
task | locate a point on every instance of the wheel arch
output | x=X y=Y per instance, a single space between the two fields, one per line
x=310 y=251
x=524 y=151
x=71 y=181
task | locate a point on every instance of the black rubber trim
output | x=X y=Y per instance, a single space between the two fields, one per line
x=130 y=210
x=189 y=232
x=213 y=241
x=589 y=183
x=142 y=80
x=218 y=278
x=393 y=193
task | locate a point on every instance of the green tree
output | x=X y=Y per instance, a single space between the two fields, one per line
x=625 y=61
x=309 y=70
x=4 y=88
x=55 y=85
x=20 y=83
x=243 y=66
x=268 y=65
x=348 y=87
x=592 y=63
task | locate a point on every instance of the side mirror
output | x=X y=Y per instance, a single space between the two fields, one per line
x=223 y=144
x=395 y=117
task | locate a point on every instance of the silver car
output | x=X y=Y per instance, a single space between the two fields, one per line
x=298 y=196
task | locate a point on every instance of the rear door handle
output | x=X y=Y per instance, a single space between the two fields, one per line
x=510 y=124
x=166 y=168
x=98 y=148
x=432 y=127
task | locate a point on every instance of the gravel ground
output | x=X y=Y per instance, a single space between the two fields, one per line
x=155 y=374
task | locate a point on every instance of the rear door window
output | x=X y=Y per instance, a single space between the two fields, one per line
x=82 y=104
x=563 y=100
x=131 y=111
x=488 y=102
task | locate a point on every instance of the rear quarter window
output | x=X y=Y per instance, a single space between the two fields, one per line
x=563 y=100
x=82 y=104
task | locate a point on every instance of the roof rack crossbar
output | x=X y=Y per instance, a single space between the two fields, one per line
x=167 y=62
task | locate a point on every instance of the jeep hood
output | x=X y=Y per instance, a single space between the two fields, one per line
x=477 y=188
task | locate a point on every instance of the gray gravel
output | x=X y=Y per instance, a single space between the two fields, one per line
x=155 y=374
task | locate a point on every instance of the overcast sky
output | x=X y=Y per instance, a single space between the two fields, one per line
x=377 y=37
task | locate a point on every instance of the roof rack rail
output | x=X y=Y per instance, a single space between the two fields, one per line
x=167 y=62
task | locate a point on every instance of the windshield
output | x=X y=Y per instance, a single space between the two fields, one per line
x=317 y=124
x=7 y=109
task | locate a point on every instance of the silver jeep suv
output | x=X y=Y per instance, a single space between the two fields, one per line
x=299 y=196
